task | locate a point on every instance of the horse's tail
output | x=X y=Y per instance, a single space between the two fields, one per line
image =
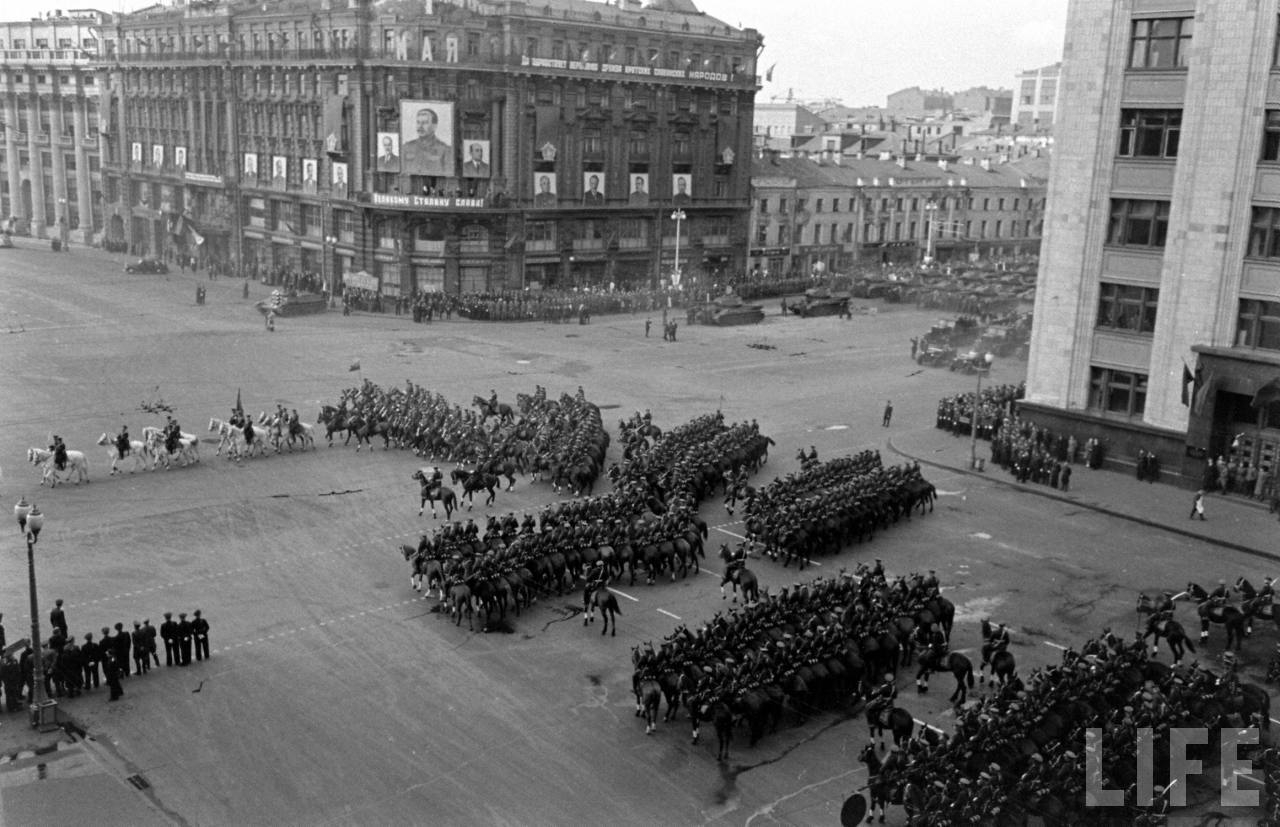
x=968 y=668
x=1190 y=646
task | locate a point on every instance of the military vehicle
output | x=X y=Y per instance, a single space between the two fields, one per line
x=727 y=310
x=831 y=298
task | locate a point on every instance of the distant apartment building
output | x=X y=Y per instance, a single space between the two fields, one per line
x=842 y=211
x=1035 y=106
x=51 y=184
x=774 y=124
x=983 y=100
x=917 y=102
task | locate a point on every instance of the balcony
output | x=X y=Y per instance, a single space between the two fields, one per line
x=715 y=241
x=581 y=245
x=632 y=243
x=541 y=245
x=47 y=57
x=433 y=246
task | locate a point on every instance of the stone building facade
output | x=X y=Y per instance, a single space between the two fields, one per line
x=464 y=146
x=51 y=184
x=1161 y=260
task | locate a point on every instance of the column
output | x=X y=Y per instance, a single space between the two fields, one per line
x=16 y=207
x=56 y=153
x=37 y=169
x=84 y=182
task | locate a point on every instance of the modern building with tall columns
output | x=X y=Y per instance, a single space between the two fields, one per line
x=1157 y=316
x=461 y=145
x=51 y=184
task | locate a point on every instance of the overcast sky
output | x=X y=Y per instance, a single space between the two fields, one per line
x=860 y=50
x=856 y=50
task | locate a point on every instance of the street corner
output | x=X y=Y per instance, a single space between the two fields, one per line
x=20 y=741
x=63 y=781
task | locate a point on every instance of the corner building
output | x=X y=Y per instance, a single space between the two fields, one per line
x=50 y=178
x=462 y=147
x=1161 y=254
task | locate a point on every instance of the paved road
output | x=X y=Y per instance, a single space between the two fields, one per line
x=335 y=694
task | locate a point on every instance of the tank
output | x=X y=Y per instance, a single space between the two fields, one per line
x=730 y=309
x=830 y=298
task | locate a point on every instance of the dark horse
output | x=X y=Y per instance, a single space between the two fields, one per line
x=739 y=577
x=600 y=598
x=721 y=716
x=880 y=779
x=884 y=716
x=648 y=698
x=335 y=421
x=501 y=410
x=957 y=664
x=1173 y=633
x=1231 y=618
x=432 y=491
x=473 y=481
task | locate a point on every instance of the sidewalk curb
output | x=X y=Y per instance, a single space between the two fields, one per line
x=1049 y=495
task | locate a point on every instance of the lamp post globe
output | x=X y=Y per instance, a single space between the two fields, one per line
x=35 y=522
x=21 y=510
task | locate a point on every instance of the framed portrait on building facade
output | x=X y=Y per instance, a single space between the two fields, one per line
x=338 y=179
x=544 y=189
x=180 y=157
x=135 y=152
x=426 y=138
x=593 y=188
x=388 y=152
x=681 y=189
x=157 y=155
x=638 y=187
x=309 y=174
x=279 y=171
x=477 y=163
x=251 y=165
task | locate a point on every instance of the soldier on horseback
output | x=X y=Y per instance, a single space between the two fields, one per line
x=1218 y=597
x=59 y=449
x=122 y=441
x=295 y=425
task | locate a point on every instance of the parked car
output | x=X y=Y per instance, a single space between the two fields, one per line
x=146 y=265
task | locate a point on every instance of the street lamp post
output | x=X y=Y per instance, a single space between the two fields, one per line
x=677 y=216
x=930 y=208
x=977 y=406
x=30 y=521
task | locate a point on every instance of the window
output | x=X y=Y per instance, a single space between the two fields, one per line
x=639 y=143
x=1128 y=307
x=1161 y=43
x=681 y=147
x=1151 y=133
x=762 y=234
x=1264 y=233
x=999 y=229
x=592 y=142
x=1117 y=392
x=782 y=205
x=817 y=205
x=764 y=206
x=1138 y=223
x=1271 y=136
x=1258 y=325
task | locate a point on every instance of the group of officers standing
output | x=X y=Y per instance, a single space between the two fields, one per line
x=71 y=667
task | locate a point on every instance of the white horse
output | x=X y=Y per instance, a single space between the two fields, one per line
x=236 y=439
x=77 y=466
x=137 y=450
x=188 y=447
x=280 y=434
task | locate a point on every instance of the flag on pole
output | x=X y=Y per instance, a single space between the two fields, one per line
x=1187 y=381
x=1205 y=386
x=239 y=407
x=354 y=366
x=768 y=76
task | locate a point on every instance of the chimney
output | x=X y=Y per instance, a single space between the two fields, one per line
x=986 y=164
x=942 y=164
x=902 y=161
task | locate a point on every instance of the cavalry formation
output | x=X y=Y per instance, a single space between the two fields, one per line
x=1212 y=608
x=814 y=647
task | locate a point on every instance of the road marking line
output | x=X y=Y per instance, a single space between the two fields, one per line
x=1275 y=721
x=1062 y=648
x=730 y=533
x=624 y=594
x=668 y=614
x=708 y=571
